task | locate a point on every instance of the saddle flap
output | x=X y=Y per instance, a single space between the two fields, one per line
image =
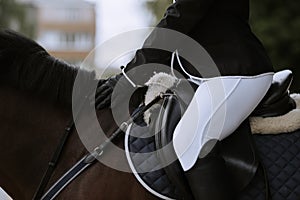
x=237 y=150
x=168 y=117
x=213 y=114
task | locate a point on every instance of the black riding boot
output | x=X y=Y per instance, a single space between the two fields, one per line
x=209 y=180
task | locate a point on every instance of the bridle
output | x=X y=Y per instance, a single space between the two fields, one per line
x=85 y=161
x=54 y=161
x=56 y=156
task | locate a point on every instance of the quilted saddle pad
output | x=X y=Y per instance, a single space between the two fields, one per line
x=280 y=154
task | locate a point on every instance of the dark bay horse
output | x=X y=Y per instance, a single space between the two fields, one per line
x=35 y=107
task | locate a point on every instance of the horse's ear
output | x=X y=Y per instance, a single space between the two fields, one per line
x=137 y=98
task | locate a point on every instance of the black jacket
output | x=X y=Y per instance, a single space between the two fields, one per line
x=221 y=27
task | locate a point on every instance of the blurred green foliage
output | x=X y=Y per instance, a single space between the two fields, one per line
x=14 y=15
x=277 y=25
x=158 y=8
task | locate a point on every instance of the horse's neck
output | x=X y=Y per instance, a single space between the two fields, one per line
x=29 y=132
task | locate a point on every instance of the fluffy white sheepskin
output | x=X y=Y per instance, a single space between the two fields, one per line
x=281 y=124
x=157 y=84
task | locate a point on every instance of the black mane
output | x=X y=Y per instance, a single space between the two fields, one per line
x=26 y=65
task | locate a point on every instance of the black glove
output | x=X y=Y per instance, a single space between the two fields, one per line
x=123 y=92
x=104 y=92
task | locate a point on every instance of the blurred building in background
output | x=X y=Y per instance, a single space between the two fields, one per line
x=66 y=28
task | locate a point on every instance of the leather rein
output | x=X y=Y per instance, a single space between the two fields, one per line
x=84 y=162
x=54 y=160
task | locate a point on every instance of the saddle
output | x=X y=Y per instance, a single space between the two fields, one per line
x=277 y=101
x=233 y=161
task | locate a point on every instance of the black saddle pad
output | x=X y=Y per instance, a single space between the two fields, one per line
x=144 y=162
x=280 y=154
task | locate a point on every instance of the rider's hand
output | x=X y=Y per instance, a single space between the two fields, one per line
x=104 y=92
